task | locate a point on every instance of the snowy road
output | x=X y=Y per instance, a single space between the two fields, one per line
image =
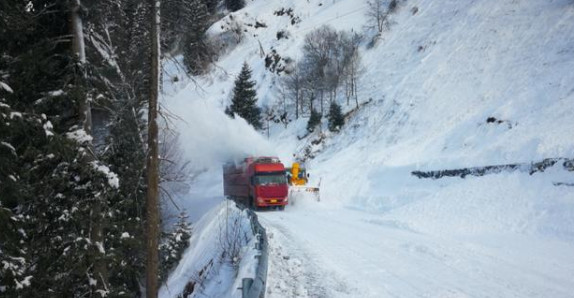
x=317 y=252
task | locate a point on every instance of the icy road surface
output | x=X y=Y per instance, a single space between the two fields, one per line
x=317 y=252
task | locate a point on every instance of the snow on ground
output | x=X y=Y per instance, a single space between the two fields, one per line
x=326 y=252
x=434 y=80
x=222 y=254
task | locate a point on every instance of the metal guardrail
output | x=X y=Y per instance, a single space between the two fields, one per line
x=255 y=288
x=531 y=168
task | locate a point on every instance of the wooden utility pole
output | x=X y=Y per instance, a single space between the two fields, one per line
x=152 y=204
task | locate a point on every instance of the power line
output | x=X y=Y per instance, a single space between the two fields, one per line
x=332 y=19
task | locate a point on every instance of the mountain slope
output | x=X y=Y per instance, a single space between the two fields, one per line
x=456 y=84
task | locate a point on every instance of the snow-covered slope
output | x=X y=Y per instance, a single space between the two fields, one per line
x=443 y=71
x=434 y=79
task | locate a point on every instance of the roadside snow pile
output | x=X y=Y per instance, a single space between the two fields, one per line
x=221 y=253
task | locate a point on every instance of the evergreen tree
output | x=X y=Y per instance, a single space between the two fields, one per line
x=52 y=195
x=183 y=21
x=198 y=54
x=56 y=182
x=335 y=117
x=71 y=209
x=211 y=5
x=314 y=120
x=174 y=244
x=234 y=5
x=244 y=102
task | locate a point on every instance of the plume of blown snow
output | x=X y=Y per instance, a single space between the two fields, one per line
x=209 y=137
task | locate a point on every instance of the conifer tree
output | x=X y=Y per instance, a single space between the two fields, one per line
x=174 y=244
x=71 y=225
x=314 y=120
x=54 y=187
x=51 y=196
x=211 y=5
x=234 y=5
x=244 y=102
x=335 y=117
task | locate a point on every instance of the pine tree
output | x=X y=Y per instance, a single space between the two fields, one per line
x=234 y=5
x=55 y=187
x=335 y=117
x=314 y=120
x=115 y=49
x=48 y=188
x=211 y=5
x=244 y=102
x=174 y=244
x=183 y=22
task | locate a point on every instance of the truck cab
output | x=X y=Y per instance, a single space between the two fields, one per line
x=257 y=182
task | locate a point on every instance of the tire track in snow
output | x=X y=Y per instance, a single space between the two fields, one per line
x=293 y=273
x=346 y=253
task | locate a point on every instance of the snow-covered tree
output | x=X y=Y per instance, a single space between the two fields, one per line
x=63 y=210
x=182 y=21
x=211 y=5
x=314 y=120
x=234 y=5
x=335 y=117
x=174 y=244
x=244 y=101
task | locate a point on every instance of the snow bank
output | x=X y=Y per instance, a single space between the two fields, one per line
x=207 y=263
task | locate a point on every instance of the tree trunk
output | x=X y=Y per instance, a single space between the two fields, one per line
x=355 y=92
x=96 y=225
x=152 y=204
x=322 y=93
x=297 y=95
x=311 y=102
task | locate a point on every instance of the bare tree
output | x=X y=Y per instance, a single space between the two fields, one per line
x=331 y=58
x=352 y=65
x=294 y=85
x=378 y=13
x=318 y=49
x=174 y=168
x=152 y=204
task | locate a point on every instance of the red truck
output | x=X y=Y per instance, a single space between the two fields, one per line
x=256 y=182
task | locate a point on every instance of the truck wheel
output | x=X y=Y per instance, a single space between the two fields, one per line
x=281 y=208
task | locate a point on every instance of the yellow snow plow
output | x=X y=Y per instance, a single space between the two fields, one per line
x=298 y=178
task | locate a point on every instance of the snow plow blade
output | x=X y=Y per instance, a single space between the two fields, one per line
x=305 y=189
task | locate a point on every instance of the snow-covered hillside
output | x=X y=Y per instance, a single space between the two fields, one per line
x=431 y=83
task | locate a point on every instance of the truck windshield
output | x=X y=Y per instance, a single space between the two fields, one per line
x=269 y=179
